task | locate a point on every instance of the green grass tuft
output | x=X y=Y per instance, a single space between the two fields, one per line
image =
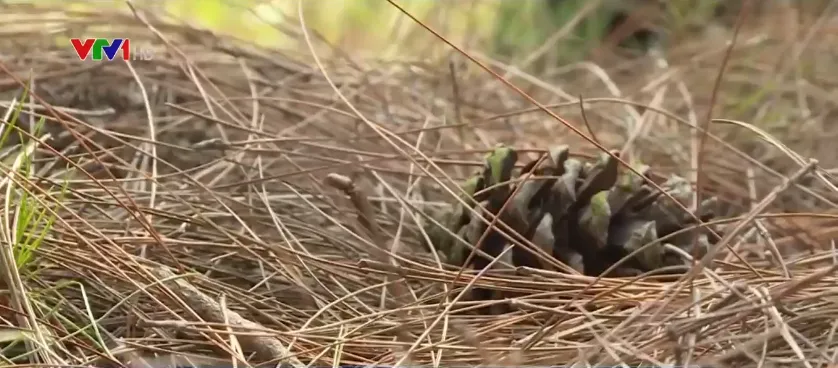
x=30 y=215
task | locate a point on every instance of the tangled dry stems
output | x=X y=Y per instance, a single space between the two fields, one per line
x=214 y=172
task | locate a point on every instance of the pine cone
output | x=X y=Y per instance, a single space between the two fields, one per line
x=585 y=215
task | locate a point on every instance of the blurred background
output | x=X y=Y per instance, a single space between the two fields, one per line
x=634 y=45
x=568 y=29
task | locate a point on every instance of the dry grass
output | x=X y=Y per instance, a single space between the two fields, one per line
x=213 y=171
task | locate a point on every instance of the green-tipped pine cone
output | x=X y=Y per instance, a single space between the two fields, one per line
x=589 y=216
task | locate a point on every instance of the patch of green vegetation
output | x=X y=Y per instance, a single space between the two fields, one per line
x=30 y=215
x=29 y=211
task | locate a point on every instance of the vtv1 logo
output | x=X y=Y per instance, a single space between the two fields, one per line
x=101 y=48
